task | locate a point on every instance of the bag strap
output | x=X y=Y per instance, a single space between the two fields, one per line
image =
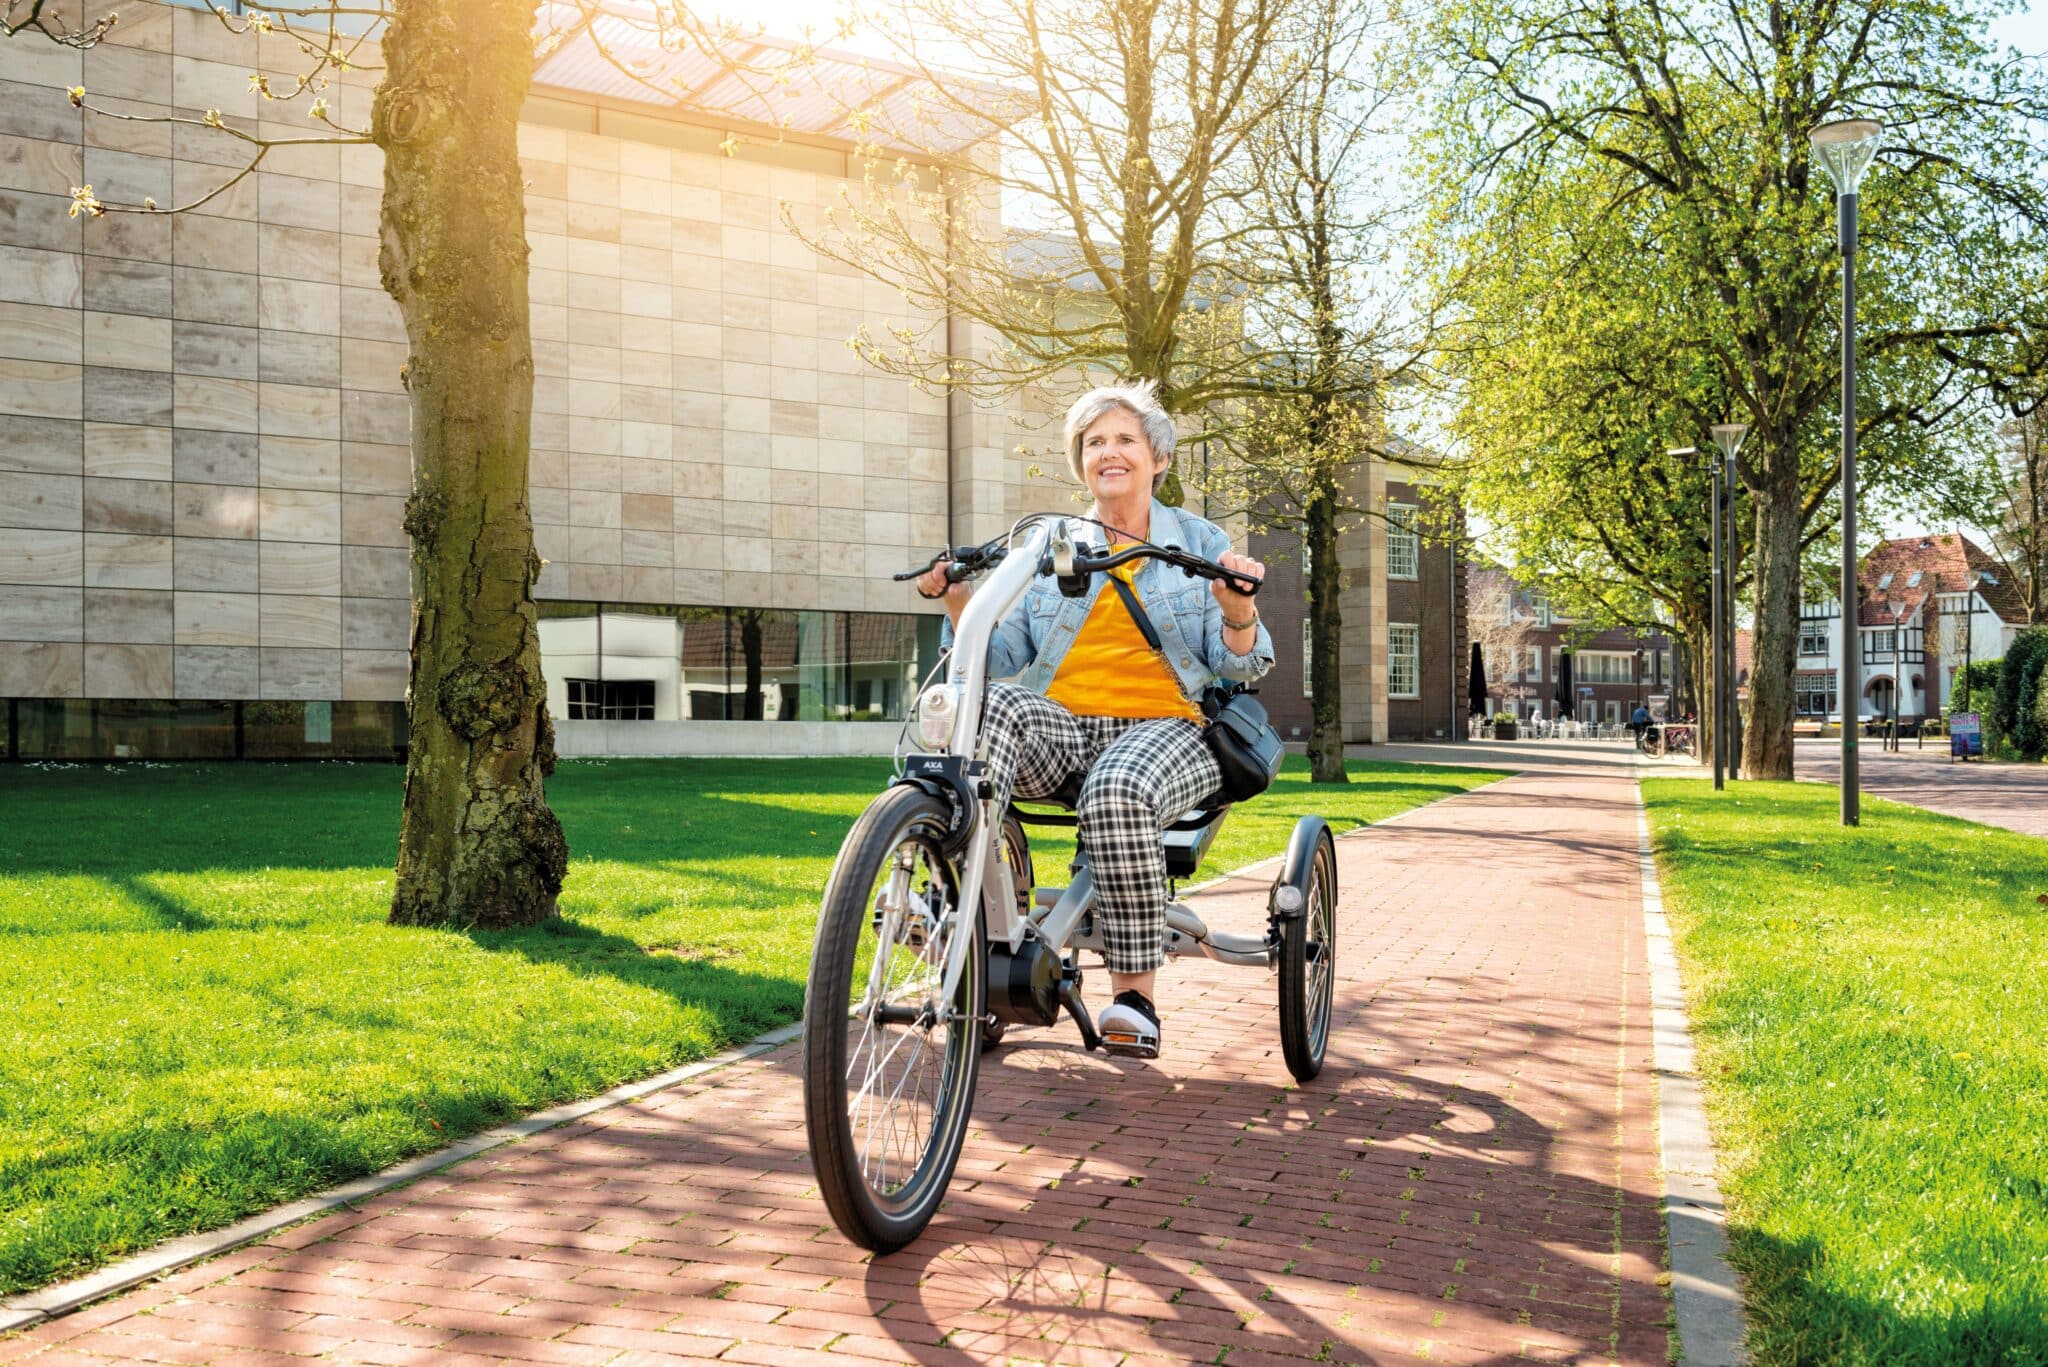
x=1137 y=611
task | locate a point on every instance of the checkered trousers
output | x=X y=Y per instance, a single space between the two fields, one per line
x=1141 y=775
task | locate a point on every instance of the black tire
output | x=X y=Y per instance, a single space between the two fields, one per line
x=883 y=1202
x=1308 y=968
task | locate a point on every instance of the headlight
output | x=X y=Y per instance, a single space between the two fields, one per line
x=936 y=709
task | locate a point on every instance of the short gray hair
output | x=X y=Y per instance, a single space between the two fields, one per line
x=1141 y=401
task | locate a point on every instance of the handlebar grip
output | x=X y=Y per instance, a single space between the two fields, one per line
x=957 y=573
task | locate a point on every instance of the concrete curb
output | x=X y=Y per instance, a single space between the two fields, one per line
x=22 y=1312
x=1706 y=1299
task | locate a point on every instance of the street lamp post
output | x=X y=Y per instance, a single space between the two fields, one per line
x=1728 y=436
x=1898 y=673
x=1844 y=149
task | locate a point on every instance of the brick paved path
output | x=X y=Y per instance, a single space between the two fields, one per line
x=2014 y=796
x=1472 y=1179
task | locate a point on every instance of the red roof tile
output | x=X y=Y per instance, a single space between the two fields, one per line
x=1949 y=563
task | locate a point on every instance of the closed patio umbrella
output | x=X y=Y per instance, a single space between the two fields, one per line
x=1475 y=686
x=1565 y=707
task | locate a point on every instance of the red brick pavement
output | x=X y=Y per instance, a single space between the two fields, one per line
x=1473 y=1179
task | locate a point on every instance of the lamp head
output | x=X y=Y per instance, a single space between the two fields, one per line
x=1728 y=436
x=1844 y=149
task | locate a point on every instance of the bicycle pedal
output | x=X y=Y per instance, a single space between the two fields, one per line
x=1130 y=1044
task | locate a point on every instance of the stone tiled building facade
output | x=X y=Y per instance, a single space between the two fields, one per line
x=204 y=431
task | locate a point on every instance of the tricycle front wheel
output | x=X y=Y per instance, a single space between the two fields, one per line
x=889 y=1069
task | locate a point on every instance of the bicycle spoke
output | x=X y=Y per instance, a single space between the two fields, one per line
x=891 y=1067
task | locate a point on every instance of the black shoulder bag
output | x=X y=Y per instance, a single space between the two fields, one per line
x=1248 y=750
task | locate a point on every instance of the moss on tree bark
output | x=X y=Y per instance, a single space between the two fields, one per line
x=478 y=845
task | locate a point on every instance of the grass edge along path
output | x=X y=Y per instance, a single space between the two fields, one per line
x=1873 y=1045
x=208 y=1016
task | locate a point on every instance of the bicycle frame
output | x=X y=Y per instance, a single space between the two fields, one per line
x=986 y=889
x=985 y=611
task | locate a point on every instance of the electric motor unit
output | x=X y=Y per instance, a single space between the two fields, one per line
x=1024 y=988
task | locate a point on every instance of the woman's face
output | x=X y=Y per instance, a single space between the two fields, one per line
x=1116 y=460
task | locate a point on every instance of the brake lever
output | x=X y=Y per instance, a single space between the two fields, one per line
x=967 y=562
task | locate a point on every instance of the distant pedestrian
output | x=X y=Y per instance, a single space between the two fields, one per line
x=1639 y=720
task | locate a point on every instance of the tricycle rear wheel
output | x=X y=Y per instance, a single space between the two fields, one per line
x=1308 y=966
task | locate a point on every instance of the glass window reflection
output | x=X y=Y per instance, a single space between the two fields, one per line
x=731 y=664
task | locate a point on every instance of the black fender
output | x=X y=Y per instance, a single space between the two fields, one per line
x=1296 y=867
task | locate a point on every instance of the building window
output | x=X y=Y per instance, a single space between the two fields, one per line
x=1596 y=667
x=624 y=700
x=1308 y=651
x=1878 y=645
x=1539 y=604
x=1532 y=665
x=1403 y=545
x=1813 y=641
x=1404 y=652
x=1813 y=692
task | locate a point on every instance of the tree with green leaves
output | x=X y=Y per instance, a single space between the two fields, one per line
x=1324 y=312
x=1692 y=125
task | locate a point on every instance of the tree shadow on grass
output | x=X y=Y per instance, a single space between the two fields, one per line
x=1796 y=1316
x=741 y=1003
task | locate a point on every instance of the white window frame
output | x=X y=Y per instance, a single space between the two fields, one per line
x=1402 y=537
x=1307 y=652
x=1414 y=689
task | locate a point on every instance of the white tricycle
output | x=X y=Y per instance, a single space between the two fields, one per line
x=932 y=940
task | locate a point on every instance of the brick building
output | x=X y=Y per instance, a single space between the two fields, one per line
x=1403 y=605
x=1612 y=668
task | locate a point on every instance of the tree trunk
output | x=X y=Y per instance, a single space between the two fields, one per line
x=1326 y=633
x=1767 y=739
x=478 y=845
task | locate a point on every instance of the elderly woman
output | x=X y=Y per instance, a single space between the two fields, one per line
x=1092 y=699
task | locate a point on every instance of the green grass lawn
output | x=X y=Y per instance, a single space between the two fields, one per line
x=203 y=1014
x=1871 y=1011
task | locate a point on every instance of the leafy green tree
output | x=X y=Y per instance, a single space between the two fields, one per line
x=2016 y=708
x=1322 y=316
x=1692 y=124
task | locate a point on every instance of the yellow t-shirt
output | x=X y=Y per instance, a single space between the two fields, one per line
x=1109 y=671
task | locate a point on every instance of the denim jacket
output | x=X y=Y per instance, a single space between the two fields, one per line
x=1031 y=642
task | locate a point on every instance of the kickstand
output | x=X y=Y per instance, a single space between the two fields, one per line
x=1070 y=998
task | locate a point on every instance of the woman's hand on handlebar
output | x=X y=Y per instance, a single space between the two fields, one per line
x=934 y=584
x=1237 y=606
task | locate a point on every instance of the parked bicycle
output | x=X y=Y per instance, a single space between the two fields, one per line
x=1666 y=738
x=932 y=941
